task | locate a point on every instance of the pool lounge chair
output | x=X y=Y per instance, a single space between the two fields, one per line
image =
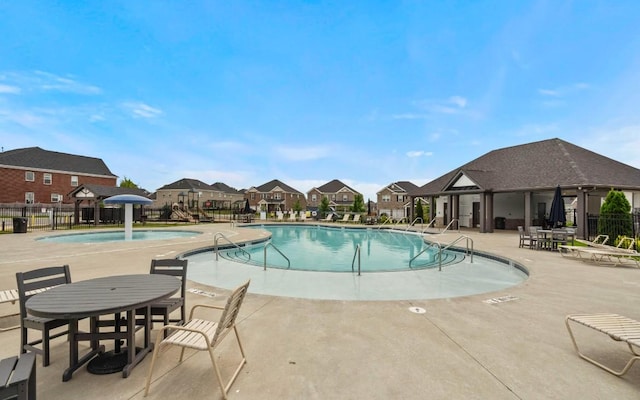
x=356 y=219
x=328 y=218
x=7 y=296
x=345 y=218
x=205 y=335
x=617 y=327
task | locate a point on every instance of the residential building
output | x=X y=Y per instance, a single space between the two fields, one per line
x=275 y=196
x=394 y=200
x=515 y=185
x=341 y=196
x=34 y=175
x=193 y=194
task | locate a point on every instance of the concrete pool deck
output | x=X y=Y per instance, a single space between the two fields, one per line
x=461 y=347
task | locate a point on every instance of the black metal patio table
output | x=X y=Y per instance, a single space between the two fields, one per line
x=104 y=296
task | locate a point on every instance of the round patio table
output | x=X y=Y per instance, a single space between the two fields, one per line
x=103 y=296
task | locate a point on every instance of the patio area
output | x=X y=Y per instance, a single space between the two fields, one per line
x=465 y=347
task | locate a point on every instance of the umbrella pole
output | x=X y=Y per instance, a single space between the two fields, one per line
x=128 y=221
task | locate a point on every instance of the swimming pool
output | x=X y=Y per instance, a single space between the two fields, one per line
x=117 y=236
x=487 y=273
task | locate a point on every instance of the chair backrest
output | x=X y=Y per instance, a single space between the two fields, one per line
x=356 y=218
x=230 y=313
x=38 y=280
x=174 y=267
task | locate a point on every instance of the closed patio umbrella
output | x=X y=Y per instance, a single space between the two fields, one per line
x=247 y=208
x=557 y=216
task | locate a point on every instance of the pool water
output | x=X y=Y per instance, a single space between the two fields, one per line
x=118 y=236
x=321 y=248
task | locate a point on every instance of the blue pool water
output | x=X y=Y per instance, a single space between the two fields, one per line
x=118 y=236
x=392 y=280
x=322 y=248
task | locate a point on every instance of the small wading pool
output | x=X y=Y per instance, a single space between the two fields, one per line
x=118 y=236
x=321 y=266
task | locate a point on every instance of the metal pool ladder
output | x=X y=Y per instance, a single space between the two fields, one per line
x=356 y=253
x=440 y=249
x=278 y=250
x=215 y=245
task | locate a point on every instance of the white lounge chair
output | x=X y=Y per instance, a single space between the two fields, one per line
x=345 y=218
x=356 y=219
x=328 y=218
x=617 y=327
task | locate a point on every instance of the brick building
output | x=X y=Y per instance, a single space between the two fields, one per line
x=33 y=175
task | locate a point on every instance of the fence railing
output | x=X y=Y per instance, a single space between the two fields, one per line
x=614 y=226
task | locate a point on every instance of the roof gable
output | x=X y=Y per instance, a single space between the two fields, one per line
x=335 y=186
x=272 y=185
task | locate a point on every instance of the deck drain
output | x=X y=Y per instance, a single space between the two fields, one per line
x=201 y=292
x=502 y=299
x=417 y=310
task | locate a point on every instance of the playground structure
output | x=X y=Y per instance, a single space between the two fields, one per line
x=185 y=214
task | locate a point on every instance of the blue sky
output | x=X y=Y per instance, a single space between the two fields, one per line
x=368 y=92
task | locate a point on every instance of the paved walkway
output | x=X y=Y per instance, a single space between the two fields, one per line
x=460 y=348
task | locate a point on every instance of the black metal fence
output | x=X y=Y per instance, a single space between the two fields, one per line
x=23 y=218
x=614 y=227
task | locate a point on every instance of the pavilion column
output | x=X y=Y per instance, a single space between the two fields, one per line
x=581 y=214
x=483 y=212
x=488 y=207
x=432 y=208
x=528 y=196
x=455 y=210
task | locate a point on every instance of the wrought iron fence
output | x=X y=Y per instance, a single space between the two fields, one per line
x=624 y=225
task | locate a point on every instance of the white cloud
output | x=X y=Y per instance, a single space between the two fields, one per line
x=419 y=153
x=142 y=110
x=458 y=101
x=9 y=89
x=564 y=90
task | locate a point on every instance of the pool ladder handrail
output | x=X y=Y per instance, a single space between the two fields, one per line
x=451 y=223
x=356 y=253
x=414 y=221
x=440 y=249
x=428 y=226
x=278 y=250
x=217 y=236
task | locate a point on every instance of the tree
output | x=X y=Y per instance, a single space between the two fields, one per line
x=296 y=206
x=615 y=216
x=324 y=206
x=127 y=183
x=420 y=210
x=358 y=204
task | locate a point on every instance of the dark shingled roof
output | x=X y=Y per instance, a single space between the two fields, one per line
x=37 y=158
x=269 y=186
x=102 y=191
x=406 y=186
x=222 y=187
x=187 y=184
x=334 y=186
x=538 y=166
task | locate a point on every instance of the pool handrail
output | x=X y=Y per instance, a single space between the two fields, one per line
x=278 y=250
x=414 y=221
x=451 y=223
x=357 y=252
x=440 y=249
x=217 y=236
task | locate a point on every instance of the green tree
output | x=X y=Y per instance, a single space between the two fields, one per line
x=358 y=204
x=127 y=183
x=296 y=206
x=615 y=216
x=324 y=206
x=420 y=210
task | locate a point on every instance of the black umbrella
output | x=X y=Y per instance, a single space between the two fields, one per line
x=368 y=206
x=247 y=209
x=557 y=216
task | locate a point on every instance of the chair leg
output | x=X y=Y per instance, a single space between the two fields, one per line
x=45 y=347
x=156 y=349
x=223 y=389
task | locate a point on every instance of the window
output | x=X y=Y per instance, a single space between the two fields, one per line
x=277 y=196
x=400 y=198
x=345 y=197
x=46 y=179
x=74 y=181
x=29 y=176
x=253 y=196
x=314 y=198
x=29 y=197
x=386 y=198
x=333 y=197
x=56 y=198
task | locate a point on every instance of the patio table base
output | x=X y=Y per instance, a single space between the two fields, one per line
x=110 y=362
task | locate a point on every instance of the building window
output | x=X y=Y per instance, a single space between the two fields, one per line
x=56 y=198
x=29 y=176
x=345 y=197
x=29 y=197
x=333 y=197
x=74 y=180
x=400 y=198
x=386 y=198
x=46 y=179
x=314 y=198
x=277 y=196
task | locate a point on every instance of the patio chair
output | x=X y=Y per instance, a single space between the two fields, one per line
x=29 y=284
x=205 y=335
x=345 y=218
x=617 y=327
x=7 y=296
x=356 y=219
x=165 y=307
x=328 y=218
x=533 y=237
x=525 y=240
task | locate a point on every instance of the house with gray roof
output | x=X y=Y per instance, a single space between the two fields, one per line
x=514 y=186
x=340 y=195
x=34 y=175
x=275 y=196
x=394 y=200
x=195 y=194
